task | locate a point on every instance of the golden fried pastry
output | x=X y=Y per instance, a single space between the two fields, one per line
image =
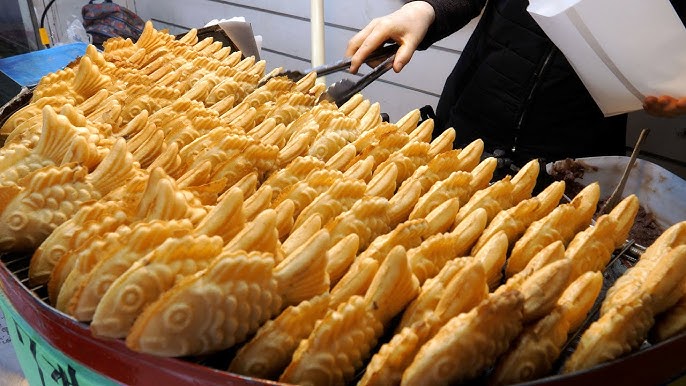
x=428 y=258
x=617 y=332
x=408 y=159
x=356 y=281
x=664 y=282
x=534 y=352
x=482 y=174
x=98 y=265
x=387 y=366
x=423 y=132
x=409 y=122
x=551 y=253
x=467 y=286
x=339 y=198
x=50 y=196
x=337 y=133
x=381 y=147
x=296 y=146
x=292 y=173
x=627 y=320
x=441 y=218
x=404 y=201
x=89 y=221
x=515 y=220
x=385 y=134
x=257 y=203
x=561 y=224
x=577 y=300
x=442 y=143
x=269 y=352
x=492 y=256
x=359 y=109
x=371 y=118
x=468 y=343
x=469 y=157
x=591 y=249
x=542 y=289
x=383 y=182
x=408 y=234
x=458 y=287
x=296 y=238
x=342 y=158
x=352 y=103
x=302 y=274
x=671 y=322
x=258 y=235
x=226 y=219
x=144 y=282
x=431 y=292
x=455 y=186
x=633 y=279
x=344 y=337
x=270 y=132
x=493 y=199
x=341 y=256
x=60 y=142
x=524 y=181
x=368 y=218
x=284 y=218
x=198 y=315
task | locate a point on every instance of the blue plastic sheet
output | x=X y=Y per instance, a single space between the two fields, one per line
x=27 y=69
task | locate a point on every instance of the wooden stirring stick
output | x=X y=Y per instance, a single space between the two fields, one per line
x=616 y=196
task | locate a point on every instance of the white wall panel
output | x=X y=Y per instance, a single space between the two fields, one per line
x=352 y=14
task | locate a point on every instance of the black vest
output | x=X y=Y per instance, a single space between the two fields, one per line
x=515 y=90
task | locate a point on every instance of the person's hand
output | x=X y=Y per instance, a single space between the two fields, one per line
x=406 y=26
x=664 y=106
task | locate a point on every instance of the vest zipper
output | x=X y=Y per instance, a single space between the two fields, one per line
x=530 y=97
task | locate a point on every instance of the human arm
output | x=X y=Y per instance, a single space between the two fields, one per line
x=417 y=24
x=664 y=106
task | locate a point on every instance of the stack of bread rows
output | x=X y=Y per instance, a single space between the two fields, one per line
x=170 y=201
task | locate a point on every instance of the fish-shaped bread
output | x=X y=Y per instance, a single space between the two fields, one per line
x=632 y=280
x=46 y=198
x=228 y=301
x=146 y=279
x=515 y=220
x=428 y=258
x=533 y=353
x=626 y=322
x=469 y=343
x=560 y=224
x=344 y=338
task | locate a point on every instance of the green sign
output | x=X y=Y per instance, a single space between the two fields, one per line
x=44 y=365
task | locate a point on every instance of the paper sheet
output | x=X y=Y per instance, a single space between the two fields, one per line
x=623 y=50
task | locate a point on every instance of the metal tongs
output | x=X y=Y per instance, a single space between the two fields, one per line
x=344 y=89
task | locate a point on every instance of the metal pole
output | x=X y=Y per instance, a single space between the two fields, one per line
x=317 y=32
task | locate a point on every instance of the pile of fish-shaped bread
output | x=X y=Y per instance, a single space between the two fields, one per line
x=171 y=202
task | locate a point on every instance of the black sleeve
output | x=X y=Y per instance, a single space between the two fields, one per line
x=680 y=7
x=451 y=15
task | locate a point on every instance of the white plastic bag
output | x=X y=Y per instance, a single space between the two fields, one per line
x=623 y=50
x=77 y=33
